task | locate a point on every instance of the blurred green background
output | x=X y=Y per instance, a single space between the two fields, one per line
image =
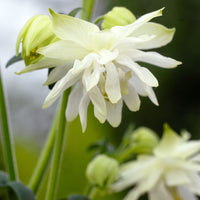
x=178 y=96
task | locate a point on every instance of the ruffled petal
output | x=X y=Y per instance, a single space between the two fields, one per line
x=112 y=85
x=71 y=28
x=153 y=58
x=73 y=103
x=162 y=35
x=64 y=50
x=114 y=113
x=67 y=81
x=98 y=101
x=141 y=72
x=83 y=107
x=124 y=31
x=186 y=194
x=132 y=99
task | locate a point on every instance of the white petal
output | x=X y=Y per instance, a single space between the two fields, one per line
x=83 y=107
x=159 y=192
x=43 y=63
x=144 y=186
x=99 y=116
x=71 y=28
x=64 y=50
x=74 y=102
x=107 y=56
x=114 y=113
x=143 y=89
x=125 y=31
x=176 y=177
x=91 y=76
x=56 y=74
x=186 y=194
x=162 y=35
x=112 y=85
x=132 y=99
x=153 y=58
x=67 y=81
x=195 y=183
x=98 y=100
x=142 y=73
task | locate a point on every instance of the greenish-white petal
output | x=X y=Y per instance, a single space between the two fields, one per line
x=71 y=28
x=43 y=63
x=141 y=72
x=64 y=50
x=57 y=73
x=162 y=35
x=176 y=177
x=73 y=103
x=195 y=183
x=98 y=100
x=112 y=85
x=83 y=107
x=160 y=192
x=91 y=75
x=132 y=99
x=143 y=89
x=153 y=58
x=186 y=194
x=67 y=81
x=114 y=113
x=124 y=31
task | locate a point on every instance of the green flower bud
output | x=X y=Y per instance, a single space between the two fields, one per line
x=144 y=140
x=102 y=171
x=36 y=33
x=118 y=16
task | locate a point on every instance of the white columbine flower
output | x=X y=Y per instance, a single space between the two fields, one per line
x=171 y=173
x=103 y=65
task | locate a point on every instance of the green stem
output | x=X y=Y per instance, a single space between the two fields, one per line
x=93 y=193
x=7 y=140
x=54 y=171
x=44 y=159
x=88 y=6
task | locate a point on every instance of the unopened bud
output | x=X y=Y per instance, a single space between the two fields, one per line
x=36 y=33
x=102 y=171
x=118 y=16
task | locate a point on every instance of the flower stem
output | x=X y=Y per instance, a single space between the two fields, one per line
x=54 y=171
x=7 y=140
x=93 y=193
x=44 y=159
x=88 y=9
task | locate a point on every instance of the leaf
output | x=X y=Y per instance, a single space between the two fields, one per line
x=21 y=191
x=74 y=12
x=15 y=190
x=13 y=60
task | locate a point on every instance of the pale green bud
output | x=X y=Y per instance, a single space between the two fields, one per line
x=102 y=171
x=118 y=16
x=36 y=33
x=144 y=140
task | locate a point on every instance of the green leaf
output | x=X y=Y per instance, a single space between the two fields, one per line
x=77 y=197
x=14 y=190
x=74 y=12
x=14 y=59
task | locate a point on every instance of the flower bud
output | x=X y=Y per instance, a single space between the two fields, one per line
x=102 y=171
x=36 y=33
x=144 y=140
x=118 y=16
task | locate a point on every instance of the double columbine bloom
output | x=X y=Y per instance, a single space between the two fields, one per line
x=101 y=65
x=171 y=173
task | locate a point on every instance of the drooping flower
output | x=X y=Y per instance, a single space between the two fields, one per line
x=103 y=65
x=36 y=33
x=171 y=173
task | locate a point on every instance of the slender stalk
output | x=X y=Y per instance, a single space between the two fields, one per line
x=7 y=140
x=88 y=6
x=45 y=157
x=54 y=171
